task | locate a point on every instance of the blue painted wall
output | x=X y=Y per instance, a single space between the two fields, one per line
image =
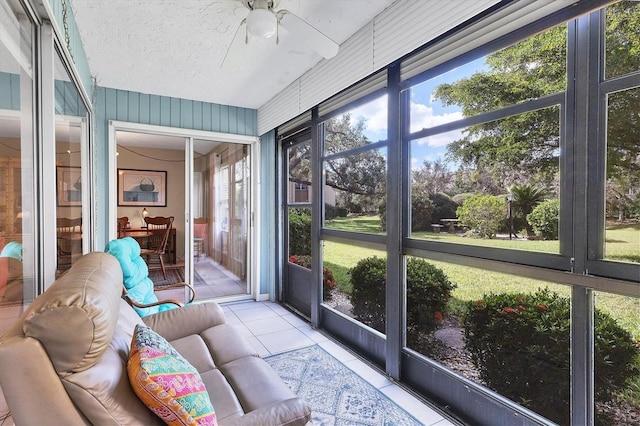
x=268 y=213
x=68 y=101
x=75 y=43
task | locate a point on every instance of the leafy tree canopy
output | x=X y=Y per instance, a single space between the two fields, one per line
x=533 y=68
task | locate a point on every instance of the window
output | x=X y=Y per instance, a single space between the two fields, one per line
x=17 y=203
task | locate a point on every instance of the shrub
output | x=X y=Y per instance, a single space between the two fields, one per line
x=483 y=214
x=328 y=280
x=428 y=290
x=544 y=219
x=299 y=233
x=443 y=207
x=421 y=210
x=520 y=345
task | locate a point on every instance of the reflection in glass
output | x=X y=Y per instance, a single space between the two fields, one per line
x=354 y=192
x=17 y=219
x=478 y=182
x=361 y=126
x=354 y=282
x=622 y=228
x=71 y=137
x=508 y=333
x=299 y=161
x=622 y=41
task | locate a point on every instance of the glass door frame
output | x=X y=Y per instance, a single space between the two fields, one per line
x=190 y=136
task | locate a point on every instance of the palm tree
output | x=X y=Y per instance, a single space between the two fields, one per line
x=525 y=198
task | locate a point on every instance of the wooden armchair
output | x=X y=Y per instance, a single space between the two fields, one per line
x=122 y=226
x=159 y=228
x=69 y=241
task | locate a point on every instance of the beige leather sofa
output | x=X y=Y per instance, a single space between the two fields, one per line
x=64 y=361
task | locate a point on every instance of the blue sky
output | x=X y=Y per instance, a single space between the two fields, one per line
x=425 y=112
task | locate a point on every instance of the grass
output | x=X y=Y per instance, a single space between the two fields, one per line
x=622 y=243
x=368 y=224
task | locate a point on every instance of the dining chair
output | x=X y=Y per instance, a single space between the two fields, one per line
x=69 y=233
x=200 y=227
x=159 y=229
x=122 y=226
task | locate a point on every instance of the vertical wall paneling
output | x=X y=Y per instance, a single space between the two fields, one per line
x=224 y=120
x=165 y=110
x=155 y=110
x=233 y=117
x=197 y=115
x=122 y=105
x=186 y=114
x=268 y=214
x=216 y=117
x=144 y=113
x=176 y=105
x=133 y=107
x=206 y=116
x=10 y=84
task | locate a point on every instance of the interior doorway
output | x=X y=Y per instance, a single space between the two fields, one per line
x=205 y=185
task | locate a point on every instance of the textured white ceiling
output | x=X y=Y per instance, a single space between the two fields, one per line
x=175 y=47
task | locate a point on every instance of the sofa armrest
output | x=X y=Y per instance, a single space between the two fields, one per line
x=185 y=321
x=31 y=386
x=291 y=412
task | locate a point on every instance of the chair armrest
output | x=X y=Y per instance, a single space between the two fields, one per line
x=191 y=319
x=132 y=302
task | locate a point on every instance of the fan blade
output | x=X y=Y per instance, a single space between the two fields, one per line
x=237 y=49
x=308 y=34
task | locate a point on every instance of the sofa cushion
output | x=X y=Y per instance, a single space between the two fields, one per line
x=166 y=382
x=76 y=317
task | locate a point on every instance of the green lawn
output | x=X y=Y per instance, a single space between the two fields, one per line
x=623 y=243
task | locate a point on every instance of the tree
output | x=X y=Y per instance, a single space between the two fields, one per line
x=525 y=198
x=360 y=178
x=533 y=68
x=431 y=178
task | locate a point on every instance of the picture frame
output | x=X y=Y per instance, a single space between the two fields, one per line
x=68 y=186
x=142 y=188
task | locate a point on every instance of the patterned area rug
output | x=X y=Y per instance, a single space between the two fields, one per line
x=337 y=395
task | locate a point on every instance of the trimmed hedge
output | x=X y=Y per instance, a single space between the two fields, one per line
x=299 y=233
x=520 y=345
x=544 y=219
x=428 y=290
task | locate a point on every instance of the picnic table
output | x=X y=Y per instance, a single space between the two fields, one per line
x=451 y=223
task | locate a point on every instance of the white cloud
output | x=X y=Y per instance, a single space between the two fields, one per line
x=422 y=117
x=375 y=113
x=442 y=139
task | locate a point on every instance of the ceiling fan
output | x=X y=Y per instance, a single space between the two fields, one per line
x=263 y=21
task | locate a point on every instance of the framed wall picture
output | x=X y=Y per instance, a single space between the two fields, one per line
x=69 y=186
x=142 y=188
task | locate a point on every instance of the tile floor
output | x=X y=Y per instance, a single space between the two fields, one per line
x=271 y=329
